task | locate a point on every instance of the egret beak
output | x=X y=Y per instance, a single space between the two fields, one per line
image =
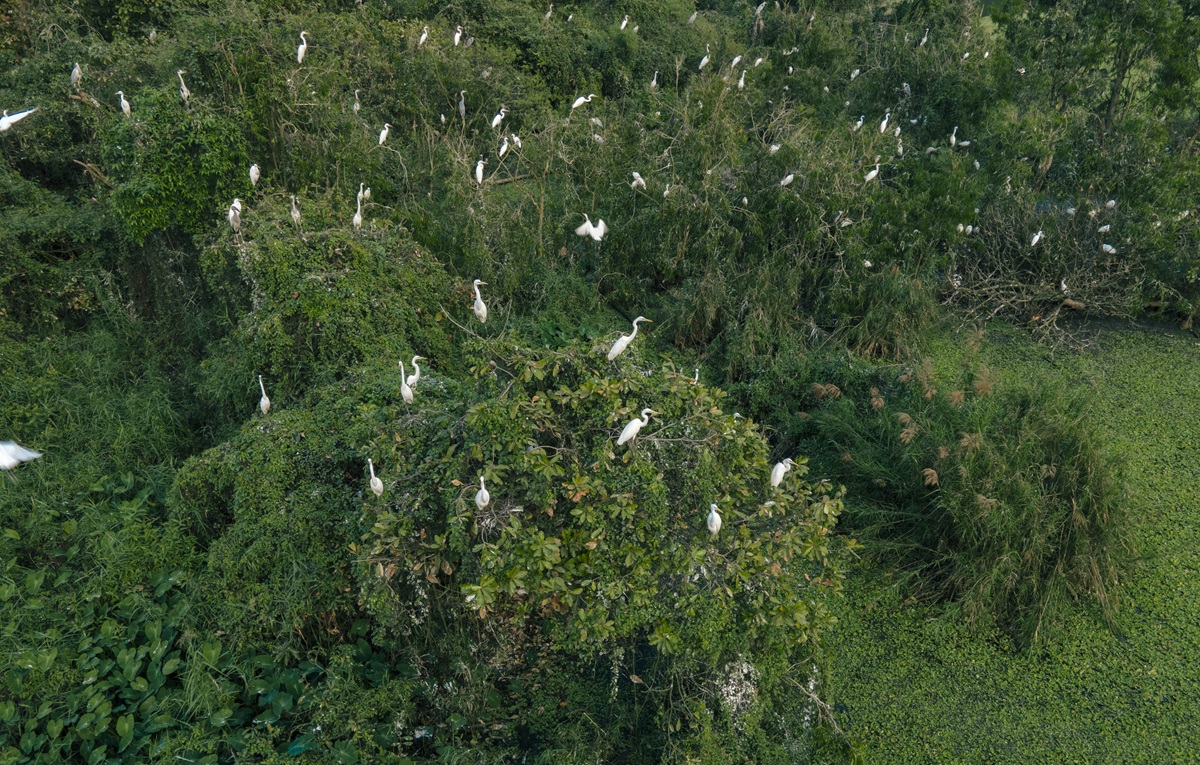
x=483 y=282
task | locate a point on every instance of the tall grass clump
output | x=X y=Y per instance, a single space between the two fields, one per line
x=1003 y=500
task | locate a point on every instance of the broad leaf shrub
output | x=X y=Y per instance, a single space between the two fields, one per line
x=1001 y=499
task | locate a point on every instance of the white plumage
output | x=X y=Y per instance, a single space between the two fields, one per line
x=582 y=100
x=405 y=391
x=383 y=134
x=255 y=174
x=1036 y=238
x=704 y=61
x=480 y=306
x=630 y=431
x=871 y=175
x=595 y=230
x=376 y=484
x=13 y=454
x=76 y=75
x=624 y=340
x=482 y=498
x=499 y=118
x=8 y=120
x=264 y=403
x=302 y=48
x=779 y=470
x=295 y=212
x=638 y=181
x=125 y=104
x=714 y=520
x=184 y=93
x=415 y=377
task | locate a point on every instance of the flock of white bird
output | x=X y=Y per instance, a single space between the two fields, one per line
x=11 y=454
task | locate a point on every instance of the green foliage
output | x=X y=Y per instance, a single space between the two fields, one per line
x=1003 y=499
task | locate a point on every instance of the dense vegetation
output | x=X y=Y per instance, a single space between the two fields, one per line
x=186 y=577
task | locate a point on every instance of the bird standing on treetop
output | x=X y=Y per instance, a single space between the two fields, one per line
x=479 y=170
x=302 y=48
x=482 y=498
x=376 y=484
x=714 y=519
x=778 y=471
x=635 y=425
x=499 y=118
x=264 y=403
x=125 y=104
x=624 y=340
x=480 y=306
x=383 y=134
x=582 y=100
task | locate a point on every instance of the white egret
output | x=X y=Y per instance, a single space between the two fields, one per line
x=255 y=174
x=405 y=391
x=787 y=179
x=931 y=149
x=1104 y=229
x=516 y=139
x=264 y=403
x=548 y=12
x=970 y=229
x=774 y=148
x=295 y=211
x=638 y=181
x=383 y=134
x=302 y=48
x=854 y=74
x=153 y=35
x=480 y=306
x=597 y=138
x=1108 y=249
x=871 y=175
x=625 y=21
x=666 y=191
x=900 y=147
x=479 y=170
x=424 y=36
x=858 y=125
x=357 y=106
x=742 y=80
x=376 y=484
x=963 y=144
x=624 y=340
x=1062 y=286
x=482 y=498
x=635 y=425
x=1036 y=238
x=125 y=104
x=462 y=105
x=954 y=136
x=457 y=35
x=692 y=18
x=924 y=39
x=13 y=454
x=714 y=520
x=758 y=61
x=415 y=377
x=76 y=75
x=235 y=215
x=960 y=228
x=8 y=120
x=866 y=264
x=704 y=61
x=976 y=163
x=595 y=230
x=184 y=93
x=907 y=90
x=966 y=56
x=883 y=125
x=499 y=117
x=503 y=148
x=654 y=80
x=778 y=471
x=358 y=215
x=361 y=193
x=696 y=377
x=736 y=60
x=582 y=100
x=1110 y=204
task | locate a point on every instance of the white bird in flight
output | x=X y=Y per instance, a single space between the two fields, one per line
x=405 y=391
x=302 y=48
x=255 y=174
x=482 y=498
x=264 y=403
x=714 y=519
x=13 y=454
x=624 y=340
x=383 y=134
x=595 y=230
x=631 y=430
x=8 y=120
x=480 y=306
x=582 y=100
x=778 y=471
x=376 y=484
x=184 y=93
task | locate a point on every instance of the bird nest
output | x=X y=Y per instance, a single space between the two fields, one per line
x=494 y=518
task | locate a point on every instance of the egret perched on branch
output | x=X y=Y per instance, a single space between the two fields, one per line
x=871 y=175
x=479 y=170
x=76 y=75
x=714 y=519
x=457 y=35
x=548 y=13
x=8 y=120
x=302 y=48
x=692 y=18
x=624 y=340
x=255 y=174
x=184 y=93
x=482 y=498
x=854 y=75
x=405 y=391
x=480 y=306
x=499 y=117
x=625 y=21
x=125 y=104
x=704 y=61
x=858 y=125
x=778 y=471
x=357 y=106
x=1108 y=249
x=638 y=181
x=1110 y=204
x=1036 y=238
x=924 y=39
x=582 y=100
x=1104 y=229
x=654 y=80
x=358 y=215
x=595 y=230
x=503 y=147
x=383 y=134
x=787 y=179
x=736 y=60
x=883 y=125
x=774 y=148
x=907 y=90
x=954 y=136
x=376 y=484
x=295 y=211
x=742 y=80
x=424 y=37
x=462 y=105
x=13 y=454
x=264 y=403
x=235 y=215
x=415 y=377
x=635 y=425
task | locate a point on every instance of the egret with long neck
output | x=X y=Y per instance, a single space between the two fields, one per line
x=624 y=341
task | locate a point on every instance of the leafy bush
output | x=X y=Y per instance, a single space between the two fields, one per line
x=1004 y=500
